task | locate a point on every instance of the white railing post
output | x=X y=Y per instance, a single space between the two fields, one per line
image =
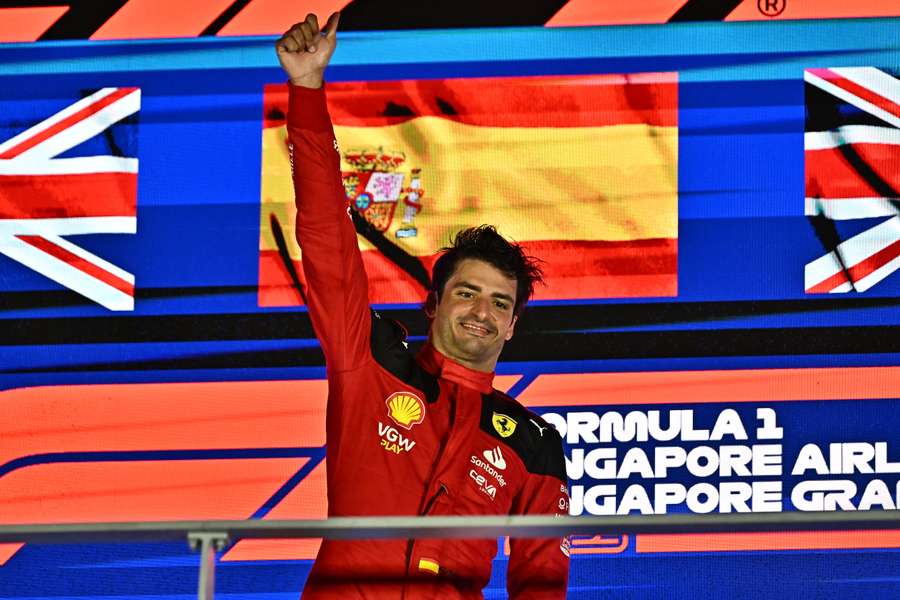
x=208 y=544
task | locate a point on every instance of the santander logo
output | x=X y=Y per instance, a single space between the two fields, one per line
x=495 y=457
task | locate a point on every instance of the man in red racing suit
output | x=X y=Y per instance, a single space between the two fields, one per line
x=415 y=434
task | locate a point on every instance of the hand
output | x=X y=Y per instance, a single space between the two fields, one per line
x=304 y=51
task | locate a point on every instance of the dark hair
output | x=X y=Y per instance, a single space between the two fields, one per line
x=484 y=243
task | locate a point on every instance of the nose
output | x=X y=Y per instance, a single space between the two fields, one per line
x=482 y=308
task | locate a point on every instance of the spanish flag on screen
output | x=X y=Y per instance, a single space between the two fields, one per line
x=581 y=170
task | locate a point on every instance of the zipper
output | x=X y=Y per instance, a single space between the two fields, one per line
x=410 y=542
x=440 y=492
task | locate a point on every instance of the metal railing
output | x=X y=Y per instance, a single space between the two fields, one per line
x=207 y=537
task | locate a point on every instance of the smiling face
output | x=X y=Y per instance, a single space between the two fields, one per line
x=474 y=316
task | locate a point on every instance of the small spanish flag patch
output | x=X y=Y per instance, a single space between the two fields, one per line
x=428 y=565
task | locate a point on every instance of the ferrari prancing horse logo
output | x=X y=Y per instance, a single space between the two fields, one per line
x=503 y=424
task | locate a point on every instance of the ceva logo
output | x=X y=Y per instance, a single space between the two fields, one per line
x=483 y=484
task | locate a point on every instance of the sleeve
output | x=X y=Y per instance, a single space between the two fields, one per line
x=539 y=567
x=337 y=289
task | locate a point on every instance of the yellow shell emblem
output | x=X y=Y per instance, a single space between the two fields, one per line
x=405 y=409
x=503 y=424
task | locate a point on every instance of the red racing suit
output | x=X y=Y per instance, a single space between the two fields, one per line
x=410 y=434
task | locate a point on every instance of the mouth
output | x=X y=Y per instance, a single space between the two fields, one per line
x=475 y=329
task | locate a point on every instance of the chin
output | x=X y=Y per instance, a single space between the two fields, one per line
x=476 y=352
x=468 y=349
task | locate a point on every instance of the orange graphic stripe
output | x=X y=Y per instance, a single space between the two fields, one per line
x=28 y=24
x=690 y=387
x=306 y=501
x=274 y=549
x=591 y=12
x=160 y=19
x=801 y=540
x=542 y=101
x=142 y=490
x=7 y=551
x=504 y=382
x=273 y=17
x=748 y=10
x=162 y=416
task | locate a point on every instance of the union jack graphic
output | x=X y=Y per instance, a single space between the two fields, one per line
x=852 y=151
x=49 y=190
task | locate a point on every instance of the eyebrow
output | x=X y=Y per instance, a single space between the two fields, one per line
x=476 y=288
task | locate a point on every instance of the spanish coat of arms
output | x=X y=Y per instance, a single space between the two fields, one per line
x=376 y=185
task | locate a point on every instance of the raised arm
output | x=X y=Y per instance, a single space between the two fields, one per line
x=337 y=291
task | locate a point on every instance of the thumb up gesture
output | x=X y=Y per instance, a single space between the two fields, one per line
x=304 y=51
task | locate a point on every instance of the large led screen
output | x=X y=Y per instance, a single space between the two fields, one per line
x=716 y=205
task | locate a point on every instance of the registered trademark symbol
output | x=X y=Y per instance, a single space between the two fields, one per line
x=771 y=8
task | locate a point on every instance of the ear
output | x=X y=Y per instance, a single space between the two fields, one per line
x=512 y=327
x=430 y=306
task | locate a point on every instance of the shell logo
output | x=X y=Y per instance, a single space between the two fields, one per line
x=405 y=409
